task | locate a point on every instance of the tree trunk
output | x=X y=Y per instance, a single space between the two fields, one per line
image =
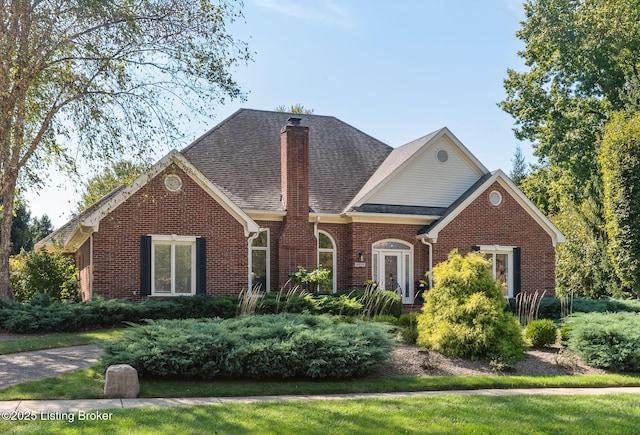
x=5 y=240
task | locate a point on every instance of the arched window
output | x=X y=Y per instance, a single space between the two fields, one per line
x=327 y=259
x=392 y=267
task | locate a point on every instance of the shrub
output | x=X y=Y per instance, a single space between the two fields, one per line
x=51 y=273
x=342 y=305
x=465 y=314
x=609 y=341
x=44 y=315
x=380 y=302
x=277 y=346
x=279 y=302
x=542 y=332
x=408 y=323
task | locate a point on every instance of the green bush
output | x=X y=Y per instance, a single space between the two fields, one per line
x=43 y=315
x=277 y=302
x=341 y=305
x=607 y=340
x=542 y=332
x=550 y=308
x=279 y=346
x=408 y=323
x=50 y=273
x=465 y=313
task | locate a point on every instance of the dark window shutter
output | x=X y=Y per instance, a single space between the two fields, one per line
x=475 y=248
x=517 y=281
x=201 y=266
x=145 y=265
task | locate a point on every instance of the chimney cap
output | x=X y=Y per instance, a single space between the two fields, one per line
x=294 y=121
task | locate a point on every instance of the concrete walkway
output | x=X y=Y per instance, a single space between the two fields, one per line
x=53 y=406
x=17 y=368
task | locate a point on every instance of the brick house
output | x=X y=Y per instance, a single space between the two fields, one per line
x=263 y=193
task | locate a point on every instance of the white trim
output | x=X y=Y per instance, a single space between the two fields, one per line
x=379 y=254
x=173 y=241
x=501 y=250
x=512 y=189
x=334 y=257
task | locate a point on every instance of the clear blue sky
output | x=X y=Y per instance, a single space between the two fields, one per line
x=395 y=70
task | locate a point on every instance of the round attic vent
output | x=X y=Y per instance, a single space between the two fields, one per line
x=442 y=156
x=173 y=183
x=495 y=198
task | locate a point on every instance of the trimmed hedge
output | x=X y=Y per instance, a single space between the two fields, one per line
x=43 y=314
x=550 y=308
x=609 y=341
x=273 y=346
x=68 y=317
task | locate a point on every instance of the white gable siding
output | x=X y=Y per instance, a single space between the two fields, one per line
x=427 y=182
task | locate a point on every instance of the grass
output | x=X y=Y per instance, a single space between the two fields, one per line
x=89 y=384
x=612 y=414
x=50 y=341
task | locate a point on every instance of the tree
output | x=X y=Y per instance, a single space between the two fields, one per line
x=115 y=175
x=295 y=108
x=96 y=79
x=40 y=228
x=21 y=237
x=519 y=171
x=620 y=163
x=464 y=314
x=582 y=65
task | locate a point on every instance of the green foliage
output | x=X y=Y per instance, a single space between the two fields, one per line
x=550 y=308
x=542 y=332
x=119 y=173
x=294 y=108
x=520 y=169
x=408 y=323
x=380 y=302
x=620 y=165
x=51 y=273
x=280 y=346
x=341 y=305
x=465 y=314
x=310 y=280
x=606 y=340
x=276 y=302
x=43 y=315
x=581 y=66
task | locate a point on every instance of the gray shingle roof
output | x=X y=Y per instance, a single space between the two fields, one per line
x=242 y=156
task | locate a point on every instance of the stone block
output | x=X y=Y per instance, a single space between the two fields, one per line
x=121 y=381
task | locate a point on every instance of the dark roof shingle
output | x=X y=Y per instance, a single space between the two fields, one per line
x=241 y=155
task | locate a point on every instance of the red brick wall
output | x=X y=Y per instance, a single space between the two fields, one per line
x=83 y=262
x=155 y=210
x=508 y=224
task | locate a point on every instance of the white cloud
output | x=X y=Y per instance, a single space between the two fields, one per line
x=325 y=12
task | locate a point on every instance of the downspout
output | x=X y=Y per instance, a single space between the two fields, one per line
x=430 y=262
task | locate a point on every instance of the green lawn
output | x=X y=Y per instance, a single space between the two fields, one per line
x=50 y=341
x=614 y=414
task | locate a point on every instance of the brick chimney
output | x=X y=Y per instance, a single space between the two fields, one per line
x=297 y=245
x=294 y=167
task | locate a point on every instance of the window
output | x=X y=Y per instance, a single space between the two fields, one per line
x=505 y=266
x=173 y=265
x=327 y=259
x=259 y=261
x=392 y=267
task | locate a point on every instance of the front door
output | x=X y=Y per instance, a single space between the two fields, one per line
x=392 y=278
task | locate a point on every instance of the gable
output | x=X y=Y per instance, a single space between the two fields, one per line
x=432 y=231
x=428 y=181
x=413 y=175
x=77 y=231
